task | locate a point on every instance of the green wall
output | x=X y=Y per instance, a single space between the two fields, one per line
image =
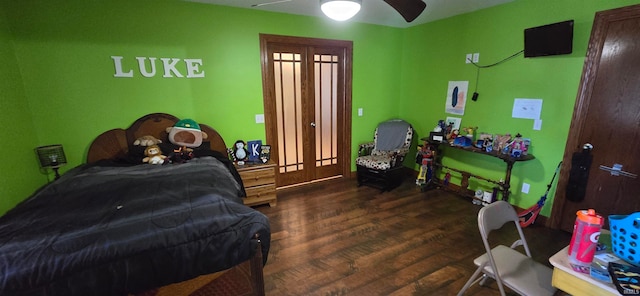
x=434 y=54
x=19 y=175
x=69 y=93
x=58 y=75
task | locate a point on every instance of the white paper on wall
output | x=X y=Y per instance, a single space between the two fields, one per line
x=527 y=108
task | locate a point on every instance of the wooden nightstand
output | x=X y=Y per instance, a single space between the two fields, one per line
x=259 y=183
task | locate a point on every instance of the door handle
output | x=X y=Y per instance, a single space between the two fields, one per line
x=313 y=124
x=616 y=170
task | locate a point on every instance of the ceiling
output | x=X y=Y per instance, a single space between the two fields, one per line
x=372 y=12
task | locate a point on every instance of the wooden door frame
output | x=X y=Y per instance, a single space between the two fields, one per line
x=267 y=91
x=583 y=99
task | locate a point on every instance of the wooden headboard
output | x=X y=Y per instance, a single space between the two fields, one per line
x=115 y=143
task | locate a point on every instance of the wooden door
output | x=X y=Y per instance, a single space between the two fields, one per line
x=307 y=95
x=606 y=115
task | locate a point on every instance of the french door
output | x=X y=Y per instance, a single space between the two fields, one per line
x=307 y=102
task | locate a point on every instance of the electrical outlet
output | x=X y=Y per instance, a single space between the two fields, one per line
x=468 y=58
x=259 y=118
x=525 y=187
x=476 y=57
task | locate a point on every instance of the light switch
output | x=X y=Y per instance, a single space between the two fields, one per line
x=525 y=187
x=359 y=111
x=259 y=118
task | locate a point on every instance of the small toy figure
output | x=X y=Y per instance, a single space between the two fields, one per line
x=453 y=135
x=470 y=131
x=265 y=153
x=441 y=126
x=517 y=146
x=447 y=179
x=153 y=155
x=181 y=155
x=527 y=143
x=240 y=152
x=426 y=169
x=448 y=130
x=501 y=142
x=488 y=144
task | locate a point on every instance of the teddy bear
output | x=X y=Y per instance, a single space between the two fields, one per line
x=146 y=141
x=153 y=155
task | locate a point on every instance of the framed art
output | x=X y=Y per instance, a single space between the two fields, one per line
x=265 y=153
x=254 y=148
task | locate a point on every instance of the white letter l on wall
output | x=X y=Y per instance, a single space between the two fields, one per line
x=117 y=62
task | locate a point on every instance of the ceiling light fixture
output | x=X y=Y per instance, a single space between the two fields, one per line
x=340 y=10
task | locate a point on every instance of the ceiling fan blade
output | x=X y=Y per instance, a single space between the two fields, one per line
x=409 y=9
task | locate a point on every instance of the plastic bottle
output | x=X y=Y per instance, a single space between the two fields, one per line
x=584 y=240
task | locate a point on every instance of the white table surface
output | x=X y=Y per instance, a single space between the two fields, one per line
x=561 y=261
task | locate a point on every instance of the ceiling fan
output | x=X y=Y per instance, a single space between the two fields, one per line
x=408 y=9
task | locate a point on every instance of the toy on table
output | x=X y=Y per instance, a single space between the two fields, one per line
x=501 y=142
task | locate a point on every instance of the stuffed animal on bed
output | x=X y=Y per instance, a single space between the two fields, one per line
x=146 y=141
x=153 y=155
x=186 y=135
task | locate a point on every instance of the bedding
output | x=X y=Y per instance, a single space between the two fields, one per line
x=108 y=228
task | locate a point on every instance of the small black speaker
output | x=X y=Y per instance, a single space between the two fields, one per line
x=474 y=97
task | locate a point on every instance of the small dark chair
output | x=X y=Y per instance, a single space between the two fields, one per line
x=379 y=163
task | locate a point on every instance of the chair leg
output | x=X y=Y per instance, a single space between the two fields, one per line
x=485 y=281
x=472 y=280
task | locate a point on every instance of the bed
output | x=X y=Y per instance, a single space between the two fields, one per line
x=114 y=226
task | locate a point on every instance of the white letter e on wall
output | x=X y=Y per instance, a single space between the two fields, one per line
x=193 y=68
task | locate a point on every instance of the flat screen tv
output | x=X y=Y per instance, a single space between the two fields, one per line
x=547 y=40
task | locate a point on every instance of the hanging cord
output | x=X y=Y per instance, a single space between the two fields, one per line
x=475 y=92
x=500 y=62
x=477 y=79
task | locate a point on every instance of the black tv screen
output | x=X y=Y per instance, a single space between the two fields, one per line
x=551 y=39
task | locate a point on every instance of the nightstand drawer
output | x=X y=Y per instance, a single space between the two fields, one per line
x=258 y=177
x=259 y=182
x=263 y=192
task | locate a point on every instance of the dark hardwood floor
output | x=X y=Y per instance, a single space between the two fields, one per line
x=334 y=238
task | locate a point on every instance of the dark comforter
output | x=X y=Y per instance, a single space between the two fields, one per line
x=113 y=230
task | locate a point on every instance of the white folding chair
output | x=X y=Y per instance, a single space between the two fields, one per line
x=516 y=270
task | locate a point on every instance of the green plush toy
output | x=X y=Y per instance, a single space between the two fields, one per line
x=186 y=134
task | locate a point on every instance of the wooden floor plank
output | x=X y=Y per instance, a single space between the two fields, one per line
x=334 y=238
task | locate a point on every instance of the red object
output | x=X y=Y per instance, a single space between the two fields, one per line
x=584 y=240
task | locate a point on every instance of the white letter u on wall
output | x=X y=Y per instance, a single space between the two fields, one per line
x=143 y=68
